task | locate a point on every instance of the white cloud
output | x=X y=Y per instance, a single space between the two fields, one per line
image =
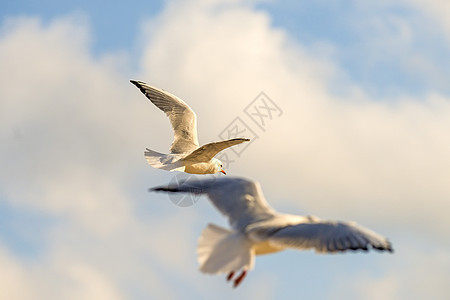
x=425 y=278
x=438 y=11
x=71 y=279
x=12 y=276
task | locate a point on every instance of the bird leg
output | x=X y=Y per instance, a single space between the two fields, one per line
x=238 y=280
x=230 y=275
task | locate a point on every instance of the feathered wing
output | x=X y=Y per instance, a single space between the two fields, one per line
x=241 y=200
x=169 y=162
x=206 y=152
x=181 y=116
x=222 y=251
x=323 y=236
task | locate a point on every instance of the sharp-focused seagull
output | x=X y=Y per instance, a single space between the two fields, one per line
x=185 y=154
x=258 y=229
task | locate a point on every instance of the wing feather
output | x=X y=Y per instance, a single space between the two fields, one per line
x=206 y=152
x=323 y=236
x=181 y=116
x=241 y=200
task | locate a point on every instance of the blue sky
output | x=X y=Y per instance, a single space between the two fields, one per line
x=104 y=19
x=363 y=136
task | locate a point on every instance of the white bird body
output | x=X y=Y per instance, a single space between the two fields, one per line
x=258 y=229
x=174 y=162
x=185 y=153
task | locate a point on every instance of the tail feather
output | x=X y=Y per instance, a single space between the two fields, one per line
x=163 y=161
x=222 y=251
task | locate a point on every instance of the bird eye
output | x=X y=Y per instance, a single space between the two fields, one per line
x=221 y=165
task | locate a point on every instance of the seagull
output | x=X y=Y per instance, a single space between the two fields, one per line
x=256 y=228
x=185 y=153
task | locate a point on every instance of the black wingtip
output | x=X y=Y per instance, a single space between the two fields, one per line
x=387 y=248
x=137 y=83
x=140 y=85
x=162 y=189
x=240 y=139
x=390 y=249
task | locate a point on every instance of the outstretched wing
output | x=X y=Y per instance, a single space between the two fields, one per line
x=241 y=200
x=206 y=152
x=181 y=116
x=323 y=236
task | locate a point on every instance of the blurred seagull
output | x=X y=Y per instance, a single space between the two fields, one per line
x=258 y=229
x=185 y=154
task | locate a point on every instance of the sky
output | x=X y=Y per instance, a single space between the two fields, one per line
x=355 y=122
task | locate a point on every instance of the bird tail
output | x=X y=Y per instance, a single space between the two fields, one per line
x=222 y=251
x=162 y=161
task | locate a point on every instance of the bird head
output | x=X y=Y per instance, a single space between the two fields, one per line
x=218 y=166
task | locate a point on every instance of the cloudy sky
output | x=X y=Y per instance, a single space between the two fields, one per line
x=356 y=128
